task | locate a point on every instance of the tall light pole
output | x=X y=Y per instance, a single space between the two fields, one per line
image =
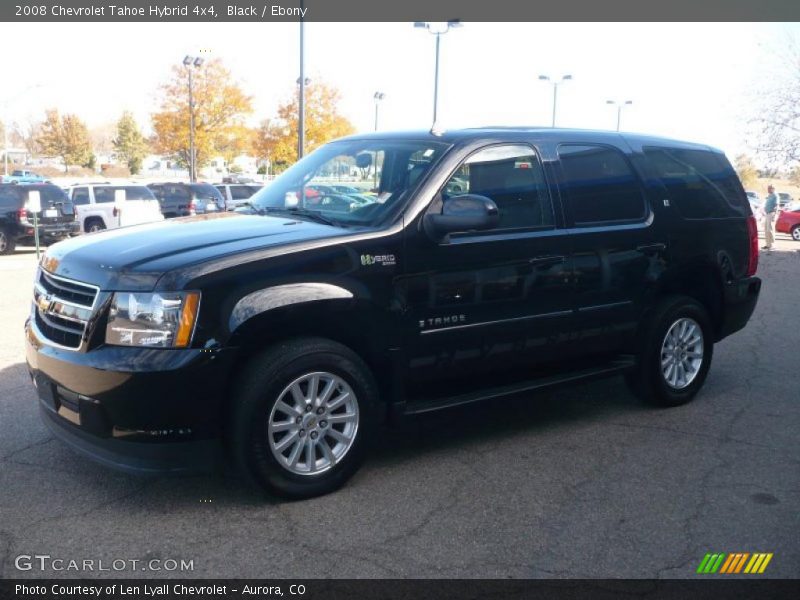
x=6 y=122
x=437 y=29
x=301 y=103
x=191 y=63
x=619 y=106
x=555 y=83
x=378 y=97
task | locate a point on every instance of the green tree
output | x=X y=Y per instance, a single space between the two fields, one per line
x=129 y=143
x=66 y=138
x=746 y=170
x=220 y=108
x=277 y=139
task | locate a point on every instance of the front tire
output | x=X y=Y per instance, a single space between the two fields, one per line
x=674 y=354
x=796 y=233
x=302 y=417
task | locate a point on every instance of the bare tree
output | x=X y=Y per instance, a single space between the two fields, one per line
x=777 y=124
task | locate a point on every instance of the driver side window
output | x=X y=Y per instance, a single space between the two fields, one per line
x=512 y=177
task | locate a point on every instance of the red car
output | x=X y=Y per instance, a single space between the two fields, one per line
x=789 y=222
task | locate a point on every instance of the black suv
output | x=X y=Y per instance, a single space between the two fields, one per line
x=187 y=199
x=287 y=333
x=56 y=219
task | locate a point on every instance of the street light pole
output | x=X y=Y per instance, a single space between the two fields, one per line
x=555 y=85
x=301 y=110
x=437 y=29
x=191 y=62
x=619 y=106
x=379 y=96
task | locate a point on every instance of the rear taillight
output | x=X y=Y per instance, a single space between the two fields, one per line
x=192 y=208
x=752 y=230
x=22 y=214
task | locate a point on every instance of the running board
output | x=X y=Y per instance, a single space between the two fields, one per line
x=615 y=367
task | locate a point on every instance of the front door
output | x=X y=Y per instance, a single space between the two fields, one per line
x=488 y=301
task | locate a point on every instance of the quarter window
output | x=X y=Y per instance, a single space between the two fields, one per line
x=599 y=185
x=700 y=184
x=512 y=177
x=80 y=196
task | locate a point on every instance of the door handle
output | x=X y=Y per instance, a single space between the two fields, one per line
x=651 y=248
x=547 y=261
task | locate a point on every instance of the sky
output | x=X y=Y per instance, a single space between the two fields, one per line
x=692 y=81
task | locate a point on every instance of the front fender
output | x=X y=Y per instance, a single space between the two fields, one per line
x=263 y=301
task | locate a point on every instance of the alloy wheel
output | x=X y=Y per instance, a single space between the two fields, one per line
x=313 y=423
x=682 y=353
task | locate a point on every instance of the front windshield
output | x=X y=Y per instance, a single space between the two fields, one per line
x=358 y=182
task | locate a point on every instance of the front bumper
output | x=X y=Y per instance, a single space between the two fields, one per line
x=138 y=409
x=739 y=301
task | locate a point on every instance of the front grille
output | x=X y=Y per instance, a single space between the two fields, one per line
x=63 y=308
x=71 y=291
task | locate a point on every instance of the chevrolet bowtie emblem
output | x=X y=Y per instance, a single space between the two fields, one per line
x=43 y=302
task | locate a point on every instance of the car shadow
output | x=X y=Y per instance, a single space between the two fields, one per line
x=25 y=440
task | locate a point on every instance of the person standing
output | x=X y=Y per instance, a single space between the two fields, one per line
x=770 y=206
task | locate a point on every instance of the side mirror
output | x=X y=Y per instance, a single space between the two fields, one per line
x=468 y=212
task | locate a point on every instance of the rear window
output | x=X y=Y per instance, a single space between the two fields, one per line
x=701 y=184
x=206 y=191
x=600 y=185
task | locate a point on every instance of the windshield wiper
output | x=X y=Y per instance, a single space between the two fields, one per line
x=303 y=212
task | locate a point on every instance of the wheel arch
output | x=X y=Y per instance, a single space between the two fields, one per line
x=703 y=283
x=271 y=315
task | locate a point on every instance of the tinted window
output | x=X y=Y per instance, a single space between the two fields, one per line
x=9 y=195
x=600 y=185
x=701 y=184
x=240 y=192
x=51 y=196
x=205 y=191
x=513 y=178
x=80 y=196
x=176 y=192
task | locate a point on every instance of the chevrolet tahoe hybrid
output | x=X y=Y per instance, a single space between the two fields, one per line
x=476 y=264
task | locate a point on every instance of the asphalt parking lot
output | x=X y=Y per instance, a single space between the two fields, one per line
x=580 y=482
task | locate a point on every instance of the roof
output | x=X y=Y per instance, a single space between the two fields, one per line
x=496 y=132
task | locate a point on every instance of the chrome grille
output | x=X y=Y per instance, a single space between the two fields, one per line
x=63 y=308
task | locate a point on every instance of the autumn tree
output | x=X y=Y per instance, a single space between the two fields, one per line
x=277 y=139
x=220 y=108
x=129 y=143
x=746 y=170
x=66 y=138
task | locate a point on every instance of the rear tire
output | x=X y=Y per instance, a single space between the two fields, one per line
x=94 y=225
x=7 y=241
x=796 y=233
x=285 y=434
x=675 y=353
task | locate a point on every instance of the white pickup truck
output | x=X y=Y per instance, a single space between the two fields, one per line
x=96 y=207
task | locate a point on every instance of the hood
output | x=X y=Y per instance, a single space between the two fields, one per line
x=134 y=258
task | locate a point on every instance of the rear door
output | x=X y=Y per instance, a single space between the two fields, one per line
x=618 y=245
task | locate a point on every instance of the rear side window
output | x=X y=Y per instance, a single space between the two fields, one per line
x=701 y=184
x=9 y=195
x=80 y=196
x=599 y=184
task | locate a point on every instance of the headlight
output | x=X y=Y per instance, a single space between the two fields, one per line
x=156 y=320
